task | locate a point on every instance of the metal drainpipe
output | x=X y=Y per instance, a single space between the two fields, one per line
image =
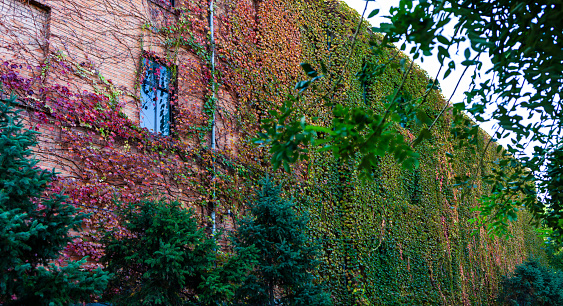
x=213 y=123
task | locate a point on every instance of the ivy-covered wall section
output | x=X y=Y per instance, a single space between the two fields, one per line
x=401 y=238
x=405 y=237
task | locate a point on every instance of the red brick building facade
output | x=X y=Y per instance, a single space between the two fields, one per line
x=149 y=64
x=109 y=39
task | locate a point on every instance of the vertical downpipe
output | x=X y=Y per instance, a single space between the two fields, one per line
x=213 y=123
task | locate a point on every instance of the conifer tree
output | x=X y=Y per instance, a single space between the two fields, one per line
x=34 y=226
x=531 y=283
x=163 y=258
x=287 y=255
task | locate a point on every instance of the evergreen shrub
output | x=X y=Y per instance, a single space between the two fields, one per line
x=532 y=284
x=161 y=257
x=35 y=225
x=287 y=254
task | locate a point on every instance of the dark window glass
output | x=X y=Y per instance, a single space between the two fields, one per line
x=155 y=97
x=169 y=3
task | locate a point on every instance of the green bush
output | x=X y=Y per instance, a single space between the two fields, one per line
x=532 y=284
x=34 y=227
x=163 y=258
x=287 y=255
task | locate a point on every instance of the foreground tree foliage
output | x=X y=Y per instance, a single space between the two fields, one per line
x=34 y=227
x=532 y=284
x=523 y=39
x=287 y=255
x=161 y=257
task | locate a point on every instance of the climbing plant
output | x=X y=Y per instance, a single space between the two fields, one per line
x=490 y=27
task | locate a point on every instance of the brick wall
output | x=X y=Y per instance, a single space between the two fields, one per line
x=104 y=39
x=25 y=29
x=103 y=42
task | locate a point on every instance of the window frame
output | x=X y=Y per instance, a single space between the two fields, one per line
x=166 y=4
x=170 y=90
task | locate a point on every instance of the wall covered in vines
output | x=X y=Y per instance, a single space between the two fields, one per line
x=402 y=238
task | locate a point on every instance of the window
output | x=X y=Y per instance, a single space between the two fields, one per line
x=24 y=27
x=165 y=3
x=155 y=97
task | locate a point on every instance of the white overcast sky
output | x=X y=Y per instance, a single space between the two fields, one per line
x=430 y=64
